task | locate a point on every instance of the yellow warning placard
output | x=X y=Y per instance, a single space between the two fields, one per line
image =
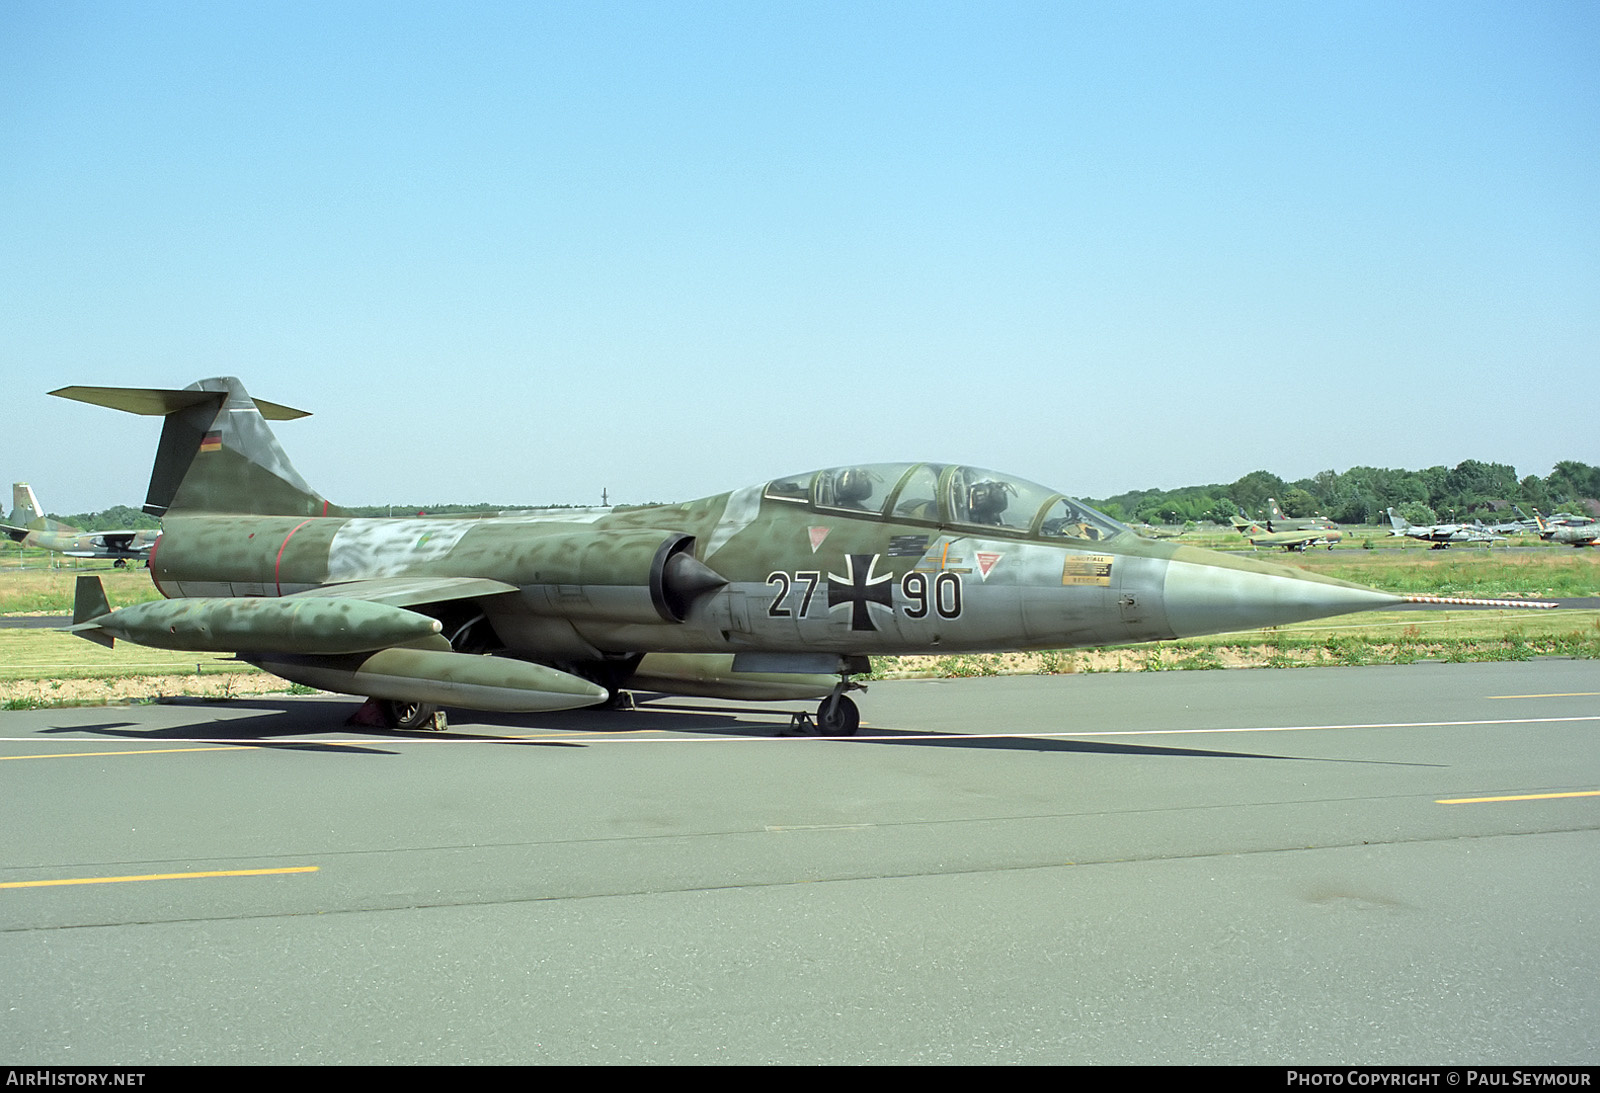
x=1086 y=569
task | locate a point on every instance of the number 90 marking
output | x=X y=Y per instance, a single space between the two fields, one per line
x=944 y=598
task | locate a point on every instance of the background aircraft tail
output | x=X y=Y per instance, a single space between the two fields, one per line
x=1398 y=522
x=24 y=506
x=217 y=453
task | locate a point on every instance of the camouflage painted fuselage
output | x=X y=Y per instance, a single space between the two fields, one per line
x=798 y=578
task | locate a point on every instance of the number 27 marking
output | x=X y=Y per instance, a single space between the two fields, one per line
x=776 y=610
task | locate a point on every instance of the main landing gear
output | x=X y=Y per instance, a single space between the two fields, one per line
x=413 y=716
x=389 y=713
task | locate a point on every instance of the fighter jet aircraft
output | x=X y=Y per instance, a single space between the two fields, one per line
x=775 y=591
x=1510 y=527
x=1280 y=531
x=1580 y=536
x=1276 y=523
x=1291 y=540
x=1579 y=533
x=1565 y=528
x=29 y=526
x=1440 y=535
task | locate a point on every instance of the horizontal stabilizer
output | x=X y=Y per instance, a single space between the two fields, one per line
x=159 y=402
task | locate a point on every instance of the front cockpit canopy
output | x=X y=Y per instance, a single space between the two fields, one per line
x=945 y=493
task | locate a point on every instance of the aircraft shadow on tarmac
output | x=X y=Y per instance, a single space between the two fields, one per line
x=271 y=720
x=326 y=718
x=729 y=721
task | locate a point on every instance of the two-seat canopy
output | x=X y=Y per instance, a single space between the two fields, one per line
x=946 y=494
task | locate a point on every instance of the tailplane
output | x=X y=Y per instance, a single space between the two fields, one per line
x=217 y=453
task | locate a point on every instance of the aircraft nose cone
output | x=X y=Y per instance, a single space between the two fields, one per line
x=1205 y=597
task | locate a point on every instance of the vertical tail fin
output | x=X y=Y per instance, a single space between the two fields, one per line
x=217 y=453
x=1398 y=522
x=24 y=505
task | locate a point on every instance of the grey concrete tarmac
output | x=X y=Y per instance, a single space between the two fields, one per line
x=1244 y=866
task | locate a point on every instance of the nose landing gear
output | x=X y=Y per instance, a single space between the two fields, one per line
x=837 y=716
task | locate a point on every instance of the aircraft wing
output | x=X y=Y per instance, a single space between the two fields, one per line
x=411 y=591
x=121 y=541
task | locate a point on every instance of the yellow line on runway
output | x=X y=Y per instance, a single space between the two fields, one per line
x=1557 y=694
x=140 y=751
x=160 y=876
x=1523 y=797
x=588 y=735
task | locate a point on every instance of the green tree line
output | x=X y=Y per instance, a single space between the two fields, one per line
x=1472 y=489
x=1358 y=496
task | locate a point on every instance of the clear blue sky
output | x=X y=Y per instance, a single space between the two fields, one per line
x=520 y=252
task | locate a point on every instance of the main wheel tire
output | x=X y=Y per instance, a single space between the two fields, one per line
x=408 y=716
x=838 y=717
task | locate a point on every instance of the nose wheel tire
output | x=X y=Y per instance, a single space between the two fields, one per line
x=408 y=716
x=838 y=716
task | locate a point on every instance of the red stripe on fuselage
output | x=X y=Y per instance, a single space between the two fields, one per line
x=277 y=565
x=151 y=566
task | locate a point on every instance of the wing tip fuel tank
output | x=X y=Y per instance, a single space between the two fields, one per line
x=308 y=624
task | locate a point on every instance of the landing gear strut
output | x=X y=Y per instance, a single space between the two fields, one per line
x=837 y=716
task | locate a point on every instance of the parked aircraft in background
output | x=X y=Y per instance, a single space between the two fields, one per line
x=1292 y=540
x=775 y=591
x=1520 y=526
x=1298 y=533
x=1577 y=534
x=28 y=526
x=1277 y=521
x=1440 y=535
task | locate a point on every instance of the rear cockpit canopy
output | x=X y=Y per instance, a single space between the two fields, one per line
x=946 y=494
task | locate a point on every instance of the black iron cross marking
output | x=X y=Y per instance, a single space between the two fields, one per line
x=859 y=589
